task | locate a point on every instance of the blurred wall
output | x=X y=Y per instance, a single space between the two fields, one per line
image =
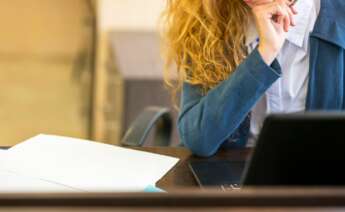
x=130 y=14
x=44 y=87
x=116 y=15
x=129 y=65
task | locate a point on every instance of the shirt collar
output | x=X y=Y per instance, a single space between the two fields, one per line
x=303 y=20
x=297 y=34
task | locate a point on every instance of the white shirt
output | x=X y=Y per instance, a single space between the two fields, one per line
x=288 y=93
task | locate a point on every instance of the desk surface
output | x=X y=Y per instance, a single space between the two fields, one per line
x=180 y=175
x=276 y=199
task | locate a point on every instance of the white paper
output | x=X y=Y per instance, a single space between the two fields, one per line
x=2 y=152
x=11 y=182
x=2 y=157
x=86 y=165
x=15 y=183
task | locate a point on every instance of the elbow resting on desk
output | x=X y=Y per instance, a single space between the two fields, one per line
x=204 y=141
x=195 y=141
x=197 y=146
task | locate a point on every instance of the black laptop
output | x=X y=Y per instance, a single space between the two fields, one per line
x=302 y=149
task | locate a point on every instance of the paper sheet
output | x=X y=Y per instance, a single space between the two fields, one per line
x=86 y=165
x=2 y=156
x=14 y=183
x=2 y=152
x=11 y=182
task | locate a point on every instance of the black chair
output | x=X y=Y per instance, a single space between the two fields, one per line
x=152 y=117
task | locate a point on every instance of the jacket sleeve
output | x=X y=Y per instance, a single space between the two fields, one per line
x=206 y=121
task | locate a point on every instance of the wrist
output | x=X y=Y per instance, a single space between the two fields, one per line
x=268 y=54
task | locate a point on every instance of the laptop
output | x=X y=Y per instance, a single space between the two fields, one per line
x=301 y=149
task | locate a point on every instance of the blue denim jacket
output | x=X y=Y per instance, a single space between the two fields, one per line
x=222 y=117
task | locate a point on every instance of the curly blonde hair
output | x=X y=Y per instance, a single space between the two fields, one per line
x=205 y=39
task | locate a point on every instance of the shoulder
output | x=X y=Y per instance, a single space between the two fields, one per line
x=330 y=25
x=333 y=9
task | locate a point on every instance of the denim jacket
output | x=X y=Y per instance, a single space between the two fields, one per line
x=221 y=118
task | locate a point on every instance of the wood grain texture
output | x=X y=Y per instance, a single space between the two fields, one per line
x=41 y=91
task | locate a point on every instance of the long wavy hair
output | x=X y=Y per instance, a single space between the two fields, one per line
x=203 y=41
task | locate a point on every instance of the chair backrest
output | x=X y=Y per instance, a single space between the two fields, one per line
x=151 y=117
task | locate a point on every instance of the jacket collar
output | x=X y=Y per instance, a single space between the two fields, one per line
x=330 y=25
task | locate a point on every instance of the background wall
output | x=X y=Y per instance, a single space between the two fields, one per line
x=117 y=16
x=44 y=81
x=130 y=14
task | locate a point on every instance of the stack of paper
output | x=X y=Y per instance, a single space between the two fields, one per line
x=59 y=164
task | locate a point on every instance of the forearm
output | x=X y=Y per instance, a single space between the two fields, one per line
x=205 y=122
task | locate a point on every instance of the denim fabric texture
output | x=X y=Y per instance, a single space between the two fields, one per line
x=221 y=119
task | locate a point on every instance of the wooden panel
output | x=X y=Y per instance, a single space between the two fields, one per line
x=255 y=198
x=45 y=74
x=41 y=26
x=100 y=81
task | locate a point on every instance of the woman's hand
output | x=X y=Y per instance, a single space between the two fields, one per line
x=273 y=19
x=289 y=3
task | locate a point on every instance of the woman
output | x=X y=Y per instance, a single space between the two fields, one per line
x=239 y=60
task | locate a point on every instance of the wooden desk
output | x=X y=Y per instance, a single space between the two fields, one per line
x=184 y=195
x=180 y=176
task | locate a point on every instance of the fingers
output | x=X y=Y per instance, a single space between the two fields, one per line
x=276 y=12
x=283 y=15
x=279 y=11
x=293 y=9
x=253 y=3
x=292 y=2
x=290 y=7
x=291 y=16
x=289 y=19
